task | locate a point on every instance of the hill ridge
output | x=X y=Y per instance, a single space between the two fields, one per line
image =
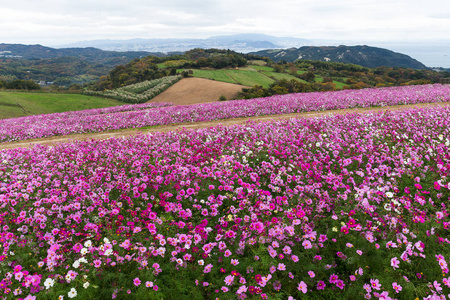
x=366 y=56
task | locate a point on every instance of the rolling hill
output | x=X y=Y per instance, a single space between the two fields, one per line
x=366 y=56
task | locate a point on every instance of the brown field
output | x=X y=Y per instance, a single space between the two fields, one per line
x=197 y=90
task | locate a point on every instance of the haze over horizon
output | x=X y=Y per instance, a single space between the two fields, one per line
x=373 y=22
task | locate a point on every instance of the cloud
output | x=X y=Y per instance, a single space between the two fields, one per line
x=60 y=21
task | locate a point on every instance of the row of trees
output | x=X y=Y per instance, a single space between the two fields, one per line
x=138 y=92
x=285 y=86
x=19 y=84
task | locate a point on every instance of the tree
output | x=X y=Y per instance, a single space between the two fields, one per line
x=278 y=68
x=308 y=76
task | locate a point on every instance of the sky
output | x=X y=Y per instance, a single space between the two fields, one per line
x=58 y=22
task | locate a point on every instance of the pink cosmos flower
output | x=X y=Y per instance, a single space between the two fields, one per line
x=437 y=286
x=367 y=287
x=321 y=285
x=375 y=283
x=340 y=284
x=302 y=287
x=311 y=274
x=397 y=288
x=446 y=281
x=137 y=281
x=395 y=263
x=229 y=280
x=333 y=278
x=307 y=244
x=344 y=229
x=437 y=186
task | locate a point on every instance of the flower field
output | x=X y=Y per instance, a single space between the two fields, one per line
x=60 y=124
x=81 y=121
x=341 y=207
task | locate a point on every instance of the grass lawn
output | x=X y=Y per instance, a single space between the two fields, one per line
x=279 y=76
x=11 y=103
x=250 y=78
x=242 y=76
x=339 y=84
x=257 y=62
x=219 y=75
x=261 y=68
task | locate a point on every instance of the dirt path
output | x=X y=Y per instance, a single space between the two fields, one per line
x=181 y=126
x=198 y=90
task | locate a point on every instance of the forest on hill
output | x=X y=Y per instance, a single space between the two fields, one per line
x=366 y=56
x=152 y=67
x=323 y=76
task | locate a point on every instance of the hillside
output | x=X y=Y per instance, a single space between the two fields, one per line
x=42 y=52
x=60 y=66
x=365 y=56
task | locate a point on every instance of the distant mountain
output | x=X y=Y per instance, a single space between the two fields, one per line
x=238 y=42
x=365 y=56
x=88 y=54
x=61 y=66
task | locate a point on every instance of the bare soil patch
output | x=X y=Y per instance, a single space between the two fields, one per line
x=183 y=126
x=198 y=90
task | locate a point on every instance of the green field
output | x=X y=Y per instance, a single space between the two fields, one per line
x=261 y=68
x=339 y=84
x=250 y=78
x=257 y=62
x=279 y=76
x=19 y=104
x=219 y=75
x=245 y=77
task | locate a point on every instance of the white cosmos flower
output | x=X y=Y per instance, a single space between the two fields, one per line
x=48 y=283
x=82 y=260
x=72 y=293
